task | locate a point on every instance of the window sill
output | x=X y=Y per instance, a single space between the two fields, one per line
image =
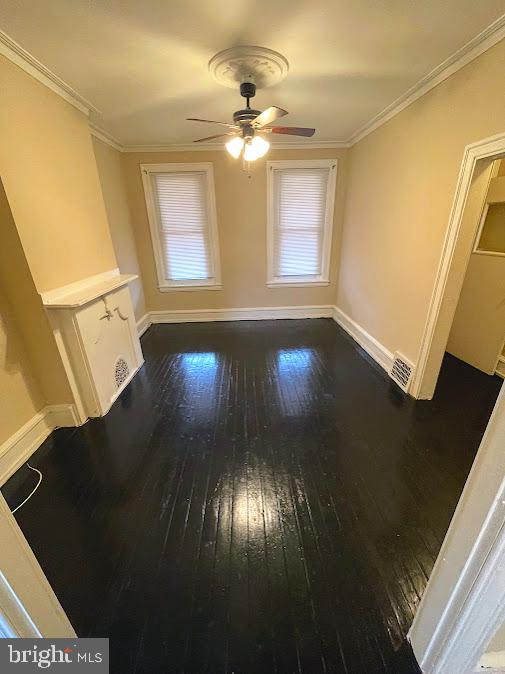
x=175 y=288
x=297 y=284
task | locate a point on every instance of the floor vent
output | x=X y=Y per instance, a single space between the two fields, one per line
x=121 y=371
x=402 y=371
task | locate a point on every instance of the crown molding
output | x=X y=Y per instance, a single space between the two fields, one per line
x=212 y=147
x=15 y=53
x=105 y=137
x=462 y=57
x=108 y=138
x=470 y=51
x=311 y=145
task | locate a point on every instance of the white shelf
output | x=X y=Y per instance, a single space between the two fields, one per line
x=78 y=294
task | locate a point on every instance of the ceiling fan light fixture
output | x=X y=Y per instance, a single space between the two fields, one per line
x=256 y=148
x=250 y=67
x=234 y=146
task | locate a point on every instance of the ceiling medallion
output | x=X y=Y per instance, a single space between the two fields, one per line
x=244 y=63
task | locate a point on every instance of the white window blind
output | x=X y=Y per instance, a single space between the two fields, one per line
x=301 y=227
x=184 y=230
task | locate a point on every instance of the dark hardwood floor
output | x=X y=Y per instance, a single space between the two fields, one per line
x=260 y=499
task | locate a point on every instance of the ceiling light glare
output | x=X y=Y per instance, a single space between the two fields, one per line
x=256 y=148
x=234 y=146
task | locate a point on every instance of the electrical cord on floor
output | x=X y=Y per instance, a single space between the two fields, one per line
x=32 y=491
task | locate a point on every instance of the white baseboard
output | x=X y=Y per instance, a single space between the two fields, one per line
x=143 y=323
x=374 y=348
x=242 y=314
x=23 y=443
x=62 y=416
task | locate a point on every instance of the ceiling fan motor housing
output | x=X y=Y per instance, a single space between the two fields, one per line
x=245 y=117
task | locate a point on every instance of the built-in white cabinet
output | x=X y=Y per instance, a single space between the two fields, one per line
x=96 y=333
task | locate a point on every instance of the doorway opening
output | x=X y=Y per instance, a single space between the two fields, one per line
x=477 y=335
x=462 y=613
x=473 y=224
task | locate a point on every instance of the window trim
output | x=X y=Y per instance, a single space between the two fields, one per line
x=166 y=285
x=322 y=279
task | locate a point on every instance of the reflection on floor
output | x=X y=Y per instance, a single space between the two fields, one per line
x=260 y=499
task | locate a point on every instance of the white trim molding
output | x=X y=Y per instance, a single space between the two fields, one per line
x=27 y=62
x=209 y=230
x=467 y=53
x=217 y=147
x=372 y=346
x=105 y=137
x=22 y=444
x=62 y=416
x=26 y=597
x=276 y=167
x=470 y=51
x=464 y=602
x=143 y=324
x=375 y=349
x=241 y=314
x=436 y=331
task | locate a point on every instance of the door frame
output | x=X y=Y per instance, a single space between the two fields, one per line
x=451 y=269
x=464 y=602
x=27 y=601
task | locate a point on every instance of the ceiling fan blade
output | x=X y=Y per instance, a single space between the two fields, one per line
x=268 y=116
x=293 y=130
x=219 y=135
x=211 y=121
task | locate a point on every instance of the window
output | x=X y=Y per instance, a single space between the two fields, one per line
x=301 y=197
x=182 y=215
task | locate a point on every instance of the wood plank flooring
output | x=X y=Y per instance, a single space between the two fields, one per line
x=260 y=499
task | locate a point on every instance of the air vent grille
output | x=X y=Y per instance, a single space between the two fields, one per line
x=402 y=371
x=121 y=371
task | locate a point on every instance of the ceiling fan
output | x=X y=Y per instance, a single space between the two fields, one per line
x=249 y=125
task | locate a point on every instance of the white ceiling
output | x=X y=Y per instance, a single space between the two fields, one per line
x=143 y=63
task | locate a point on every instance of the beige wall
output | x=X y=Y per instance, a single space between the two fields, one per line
x=54 y=230
x=401 y=186
x=110 y=171
x=50 y=177
x=19 y=290
x=478 y=329
x=241 y=213
x=497 y=643
x=493 y=233
x=20 y=396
